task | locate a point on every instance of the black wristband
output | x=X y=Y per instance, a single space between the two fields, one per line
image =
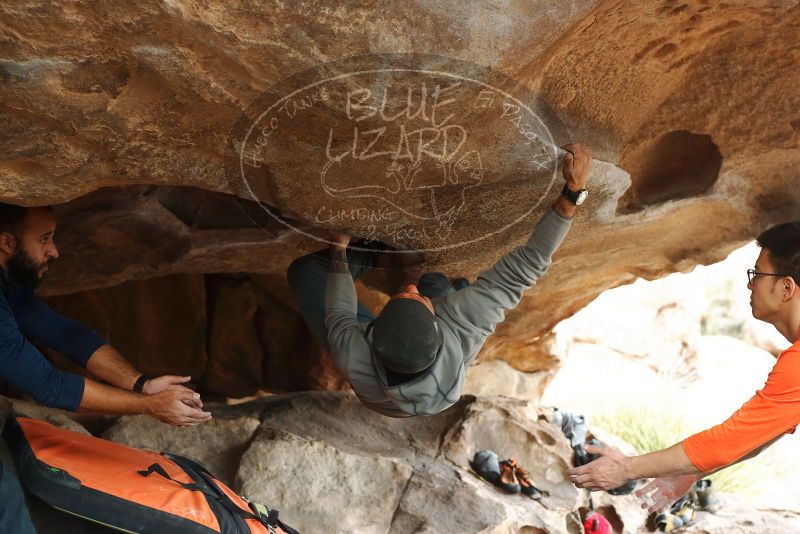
x=575 y=197
x=139 y=385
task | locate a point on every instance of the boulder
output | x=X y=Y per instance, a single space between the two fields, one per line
x=330 y=465
x=218 y=444
x=321 y=487
x=54 y=416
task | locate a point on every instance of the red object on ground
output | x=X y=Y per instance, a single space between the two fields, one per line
x=596 y=524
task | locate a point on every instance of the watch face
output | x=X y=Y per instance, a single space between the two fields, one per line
x=581 y=197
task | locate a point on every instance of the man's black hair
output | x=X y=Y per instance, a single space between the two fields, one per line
x=783 y=243
x=12 y=218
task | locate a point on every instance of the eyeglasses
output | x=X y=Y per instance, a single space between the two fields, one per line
x=752 y=274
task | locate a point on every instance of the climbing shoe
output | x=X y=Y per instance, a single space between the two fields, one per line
x=508 y=478
x=582 y=457
x=459 y=283
x=704 y=498
x=526 y=486
x=572 y=425
x=667 y=522
x=685 y=512
x=625 y=489
x=486 y=465
x=680 y=514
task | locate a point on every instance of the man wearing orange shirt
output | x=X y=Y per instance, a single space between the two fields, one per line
x=774 y=284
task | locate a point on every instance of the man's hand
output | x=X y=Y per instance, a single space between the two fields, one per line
x=338 y=253
x=576 y=171
x=665 y=491
x=607 y=472
x=576 y=166
x=340 y=241
x=172 y=407
x=173 y=383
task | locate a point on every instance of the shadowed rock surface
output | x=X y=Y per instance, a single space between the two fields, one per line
x=126 y=117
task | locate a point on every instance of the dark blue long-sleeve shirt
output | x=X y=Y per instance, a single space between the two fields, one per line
x=23 y=315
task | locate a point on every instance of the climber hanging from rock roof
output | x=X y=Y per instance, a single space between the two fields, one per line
x=412 y=358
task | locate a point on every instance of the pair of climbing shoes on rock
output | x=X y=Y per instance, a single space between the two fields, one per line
x=703 y=497
x=681 y=513
x=505 y=474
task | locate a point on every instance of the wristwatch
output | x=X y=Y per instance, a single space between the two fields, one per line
x=576 y=197
x=139 y=385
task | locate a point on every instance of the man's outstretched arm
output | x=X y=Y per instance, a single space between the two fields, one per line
x=341 y=306
x=474 y=312
x=341 y=302
x=661 y=492
x=109 y=365
x=771 y=412
x=25 y=368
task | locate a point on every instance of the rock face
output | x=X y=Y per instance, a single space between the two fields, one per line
x=132 y=120
x=233 y=334
x=330 y=465
x=217 y=445
x=323 y=474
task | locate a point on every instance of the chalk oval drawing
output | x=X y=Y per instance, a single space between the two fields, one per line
x=403 y=146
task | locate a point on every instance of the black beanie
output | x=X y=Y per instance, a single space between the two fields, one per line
x=405 y=336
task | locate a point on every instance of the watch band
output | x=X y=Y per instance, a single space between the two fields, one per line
x=139 y=385
x=572 y=196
